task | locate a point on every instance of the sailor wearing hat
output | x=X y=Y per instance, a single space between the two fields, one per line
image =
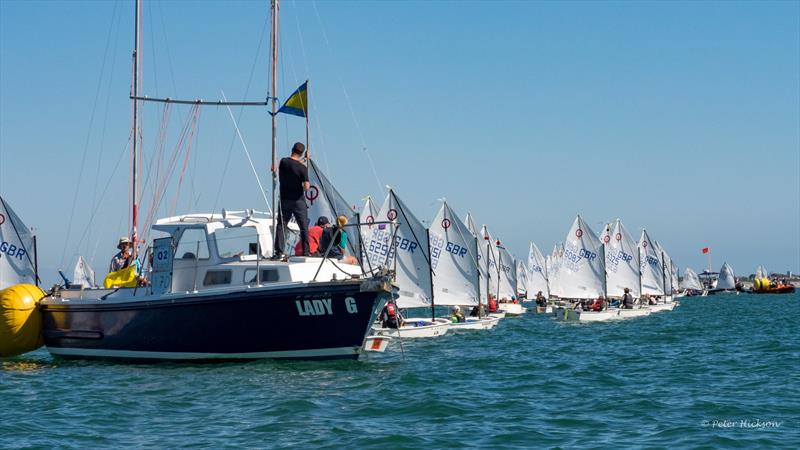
x=122 y=259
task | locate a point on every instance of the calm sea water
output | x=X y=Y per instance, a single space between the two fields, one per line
x=717 y=371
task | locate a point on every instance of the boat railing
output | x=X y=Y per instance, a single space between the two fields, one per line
x=337 y=235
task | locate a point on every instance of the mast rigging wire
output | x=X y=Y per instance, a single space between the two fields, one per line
x=247 y=153
x=347 y=99
x=239 y=115
x=88 y=136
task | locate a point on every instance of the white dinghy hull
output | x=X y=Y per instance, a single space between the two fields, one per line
x=415 y=327
x=572 y=315
x=474 y=323
x=638 y=312
x=512 y=309
x=669 y=306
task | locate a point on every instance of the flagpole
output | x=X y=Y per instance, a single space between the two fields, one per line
x=274 y=86
x=308 y=139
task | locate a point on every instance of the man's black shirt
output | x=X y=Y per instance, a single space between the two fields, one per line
x=292 y=174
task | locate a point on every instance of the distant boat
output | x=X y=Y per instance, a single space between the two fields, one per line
x=762 y=284
x=691 y=283
x=726 y=281
x=582 y=275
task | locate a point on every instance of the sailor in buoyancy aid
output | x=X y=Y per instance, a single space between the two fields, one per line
x=456 y=316
x=390 y=317
x=627 y=300
x=491 y=305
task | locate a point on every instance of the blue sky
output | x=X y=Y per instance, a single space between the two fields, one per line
x=681 y=117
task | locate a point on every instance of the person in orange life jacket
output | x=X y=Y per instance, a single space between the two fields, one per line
x=491 y=305
x=597 y=304
x=339 y=249
x=314 y=235
x=390 y=316
x=293 y=175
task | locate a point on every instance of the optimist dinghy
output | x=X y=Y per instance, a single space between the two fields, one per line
x=415 y=327
x=582 y=274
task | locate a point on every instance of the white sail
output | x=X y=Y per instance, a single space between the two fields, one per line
x=537 y=273
x=761 y=272
x=622 y=261
x=675 y=280
x=492 y=260
x=666 y=262
x=522 y=279
x=83 y=274
x=368 y=218
x=554 y=270
x=324 y=200
x=453 y=260
x=650 y=267
x=582 y=270
x=407 y=254
x=483 y=251
x=691 y=280
x=507 y=273
x=726 y=279
x=16 y=249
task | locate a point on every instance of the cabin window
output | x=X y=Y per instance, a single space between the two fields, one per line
x=267 y=276
x=237 y=241
x=192 y=244
x=216 y=277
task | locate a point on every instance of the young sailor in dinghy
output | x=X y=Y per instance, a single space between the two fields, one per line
x=627 y=299
x=390 y=316
x=540 y=300
x=491 y=305
x=598 y=304
x=456 y=315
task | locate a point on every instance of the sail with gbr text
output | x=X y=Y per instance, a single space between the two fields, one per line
x=581 y=274
x=16 y=249
x=403 y=247
x=453 y=260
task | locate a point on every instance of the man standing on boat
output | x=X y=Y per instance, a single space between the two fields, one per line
x=293 y=178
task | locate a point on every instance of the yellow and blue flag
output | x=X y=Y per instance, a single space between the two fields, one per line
x=297 y=103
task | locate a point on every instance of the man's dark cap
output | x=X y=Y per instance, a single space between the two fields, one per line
x=322 y=221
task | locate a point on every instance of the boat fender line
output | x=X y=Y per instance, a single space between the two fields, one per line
x=20 y=319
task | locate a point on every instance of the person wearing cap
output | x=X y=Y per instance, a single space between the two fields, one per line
x=124 y=258
x=293 y=177
x=314 y=235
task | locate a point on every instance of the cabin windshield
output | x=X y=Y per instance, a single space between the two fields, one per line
x=237 y=241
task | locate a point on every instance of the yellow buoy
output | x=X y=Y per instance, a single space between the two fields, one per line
x=757 y=284
x=765 y=283
x=20 y=320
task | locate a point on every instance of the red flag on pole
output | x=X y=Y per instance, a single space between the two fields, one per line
x=705 y=250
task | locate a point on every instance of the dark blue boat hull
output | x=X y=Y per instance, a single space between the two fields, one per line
x=325 y=321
